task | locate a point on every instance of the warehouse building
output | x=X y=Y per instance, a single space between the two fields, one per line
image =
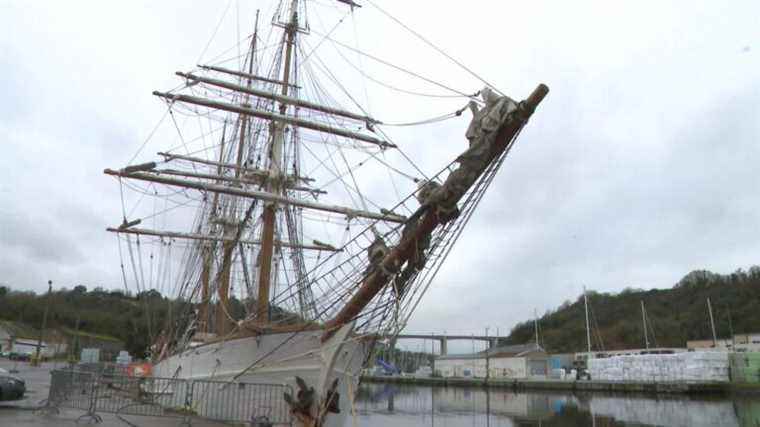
x=17 y=337
x=20 y=338
x=512 y=361
x=740 y=343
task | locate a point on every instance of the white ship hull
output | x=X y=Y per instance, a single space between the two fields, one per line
x=276 y=359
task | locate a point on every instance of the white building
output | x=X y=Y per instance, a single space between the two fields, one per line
x=16 y=337
x=740 y=343
x=516 y=361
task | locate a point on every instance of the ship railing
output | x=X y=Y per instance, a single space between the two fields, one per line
x=96 y=392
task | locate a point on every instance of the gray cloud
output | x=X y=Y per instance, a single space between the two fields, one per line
x=639 y=166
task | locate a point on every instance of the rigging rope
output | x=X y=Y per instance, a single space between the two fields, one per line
x=378 y=130
x=353 y=178
x=398 y=148
x=431 y=120
x=134 y=266
x=121 y=262
x=150 y=135
x=436 y=48
x=361 y=63
x=398 y=68
x=314 y=49
x=179 y=132
x=213 y=35
x=361 y=71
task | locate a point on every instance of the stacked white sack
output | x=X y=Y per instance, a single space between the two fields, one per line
x=693 y=367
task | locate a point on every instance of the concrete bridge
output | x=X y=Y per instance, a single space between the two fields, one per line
x=444 y=339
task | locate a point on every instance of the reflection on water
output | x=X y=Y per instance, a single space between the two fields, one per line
x=401 y=406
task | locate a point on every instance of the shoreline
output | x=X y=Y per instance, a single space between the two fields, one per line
x=574 y=385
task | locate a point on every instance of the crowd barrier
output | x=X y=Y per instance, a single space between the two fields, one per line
x=103 y=391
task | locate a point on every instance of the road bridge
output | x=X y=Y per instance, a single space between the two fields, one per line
x=444 y=339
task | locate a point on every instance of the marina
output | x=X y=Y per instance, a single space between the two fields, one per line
x=415 y=404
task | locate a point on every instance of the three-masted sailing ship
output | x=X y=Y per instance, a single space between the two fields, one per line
x=291 y=268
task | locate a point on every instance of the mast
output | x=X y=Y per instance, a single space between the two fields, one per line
x=275 y=161
x=731 y=329
x=588 y=330
x=644 y=322
x=535 y=324
x=222 y=316
x=208 y=251
x=712 y=323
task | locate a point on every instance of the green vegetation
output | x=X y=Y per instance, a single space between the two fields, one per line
x=675 y=315
x=135 y=320
x=101 y=314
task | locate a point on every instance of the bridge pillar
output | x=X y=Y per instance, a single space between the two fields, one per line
x=444 y=346
x=493 y=342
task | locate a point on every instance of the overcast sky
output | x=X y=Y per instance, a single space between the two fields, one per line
x=640 y=166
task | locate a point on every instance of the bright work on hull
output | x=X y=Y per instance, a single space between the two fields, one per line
x=290 y=226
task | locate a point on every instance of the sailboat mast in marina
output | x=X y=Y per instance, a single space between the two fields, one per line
x=277 y=222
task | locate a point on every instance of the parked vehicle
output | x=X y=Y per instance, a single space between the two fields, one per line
x=11 y=386
x=24 y=357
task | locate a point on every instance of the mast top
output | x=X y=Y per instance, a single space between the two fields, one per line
x=287 y=17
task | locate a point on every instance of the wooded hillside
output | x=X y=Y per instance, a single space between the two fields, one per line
x=675 y=315
x=133 y=319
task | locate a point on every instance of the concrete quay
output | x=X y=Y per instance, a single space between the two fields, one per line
x=572 y=385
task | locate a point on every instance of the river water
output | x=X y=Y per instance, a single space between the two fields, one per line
x=401 y=406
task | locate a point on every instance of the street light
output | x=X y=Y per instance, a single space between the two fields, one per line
x=36 y=360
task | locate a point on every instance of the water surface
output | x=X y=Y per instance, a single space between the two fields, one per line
x=401 y=406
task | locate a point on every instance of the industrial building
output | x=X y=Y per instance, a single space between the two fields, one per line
x=513 y=361
x=16 y=337
x=740 y=343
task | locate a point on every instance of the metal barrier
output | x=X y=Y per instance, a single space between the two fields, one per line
x=103 y=368
x=99 y=392
x=221 y=400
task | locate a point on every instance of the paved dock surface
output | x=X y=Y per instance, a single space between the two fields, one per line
x=25 y=412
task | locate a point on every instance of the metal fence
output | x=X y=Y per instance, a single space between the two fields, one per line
x=96 y=391
x=102 y=368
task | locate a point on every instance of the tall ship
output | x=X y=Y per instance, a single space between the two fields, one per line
x=292 y=228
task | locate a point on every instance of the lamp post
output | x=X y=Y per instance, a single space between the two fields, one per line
x=36 y=360
x=488 y=367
